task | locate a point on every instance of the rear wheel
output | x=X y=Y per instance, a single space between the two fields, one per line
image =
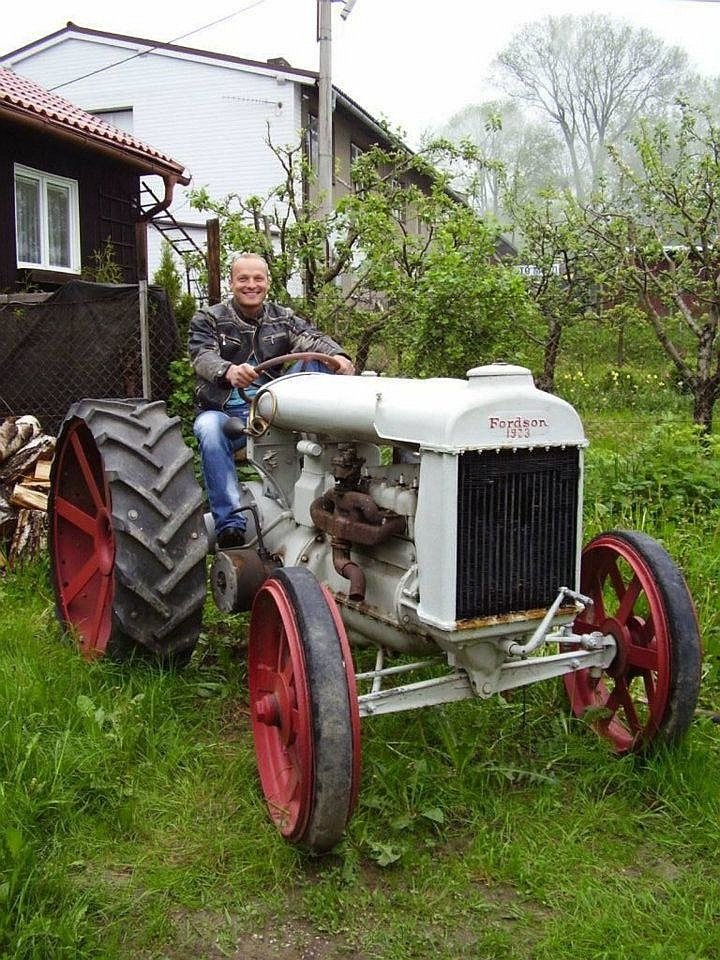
x=305 y=717
x=127 y=539
x=649 y=692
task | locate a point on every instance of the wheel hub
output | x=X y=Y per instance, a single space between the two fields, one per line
x=621 y=635
x=275 y=710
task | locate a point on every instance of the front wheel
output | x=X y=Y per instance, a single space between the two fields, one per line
x=305 y=717
x=649 y=692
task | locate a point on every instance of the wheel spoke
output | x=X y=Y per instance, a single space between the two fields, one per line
x=287 y=672
x=650 y=687
x=78 y=518
x=90 y=482
x=646 y=631
x=641 y=657
x=103 y=593
x=599 y=613
x=621 y=697
x=287 y=783
x=283 y=655
x=266 y=679
x=615 y=577
x=628 y=599
x=81 y=578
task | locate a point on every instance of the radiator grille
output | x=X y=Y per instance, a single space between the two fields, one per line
x=517 y=529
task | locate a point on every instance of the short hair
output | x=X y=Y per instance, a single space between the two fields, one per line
x=248 y=255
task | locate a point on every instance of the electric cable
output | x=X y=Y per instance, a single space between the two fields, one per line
x=142 y=53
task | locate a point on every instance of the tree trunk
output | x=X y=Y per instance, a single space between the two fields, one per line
x=704 y=397
x=705 y=385
x=365 y=342
x=546 y=381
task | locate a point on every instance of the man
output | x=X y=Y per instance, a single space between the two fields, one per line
x=226 y=341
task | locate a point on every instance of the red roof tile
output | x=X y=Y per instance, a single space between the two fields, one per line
x=21 y=97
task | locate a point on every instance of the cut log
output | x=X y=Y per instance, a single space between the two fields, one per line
x=7 y=511
x=23 y=459
x=29 y=536
x=15 y=432
x=42 y=470
x=23 y=496
x=33 y=484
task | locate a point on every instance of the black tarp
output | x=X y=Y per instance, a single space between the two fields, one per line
x=83 y=341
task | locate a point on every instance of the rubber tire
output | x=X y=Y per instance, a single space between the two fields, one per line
x=671 y=713
x=330 y=759
x=156 y=541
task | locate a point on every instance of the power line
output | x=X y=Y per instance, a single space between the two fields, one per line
x=142 y=53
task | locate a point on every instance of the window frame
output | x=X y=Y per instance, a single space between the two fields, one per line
x=49 y=179
x=313 y=141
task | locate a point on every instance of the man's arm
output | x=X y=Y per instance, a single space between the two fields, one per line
x=204 y=348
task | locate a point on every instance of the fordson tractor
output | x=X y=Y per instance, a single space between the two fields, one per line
x=438 y=520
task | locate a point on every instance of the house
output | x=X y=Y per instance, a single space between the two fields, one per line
x=215 y=110
x=69 y=182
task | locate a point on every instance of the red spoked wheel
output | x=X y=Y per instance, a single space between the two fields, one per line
x=83 y=540
x=649 y=692
x=127 y=539
x=305 y=718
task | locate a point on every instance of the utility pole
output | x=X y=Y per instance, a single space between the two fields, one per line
x=325 y=101
x=325 y=107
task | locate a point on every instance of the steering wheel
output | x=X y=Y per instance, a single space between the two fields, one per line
x=331 y=362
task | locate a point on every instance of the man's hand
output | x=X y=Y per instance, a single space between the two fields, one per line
x=240 y=375
x=346 y=367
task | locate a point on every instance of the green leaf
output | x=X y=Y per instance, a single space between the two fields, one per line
x=14 y=842
x=433 y=813
x=384 y=854
x=85 y=705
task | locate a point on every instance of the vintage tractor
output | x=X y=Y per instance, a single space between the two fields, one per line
x=439 y=520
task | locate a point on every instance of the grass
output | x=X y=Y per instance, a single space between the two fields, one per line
x=131 y=824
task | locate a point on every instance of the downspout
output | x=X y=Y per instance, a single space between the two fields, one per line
x=169 y=182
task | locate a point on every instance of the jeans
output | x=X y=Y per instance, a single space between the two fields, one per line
x=217 y=458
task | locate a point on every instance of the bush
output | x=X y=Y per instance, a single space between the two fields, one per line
x=673 y=472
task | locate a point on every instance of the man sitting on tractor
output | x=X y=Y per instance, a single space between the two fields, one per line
x=226 y=342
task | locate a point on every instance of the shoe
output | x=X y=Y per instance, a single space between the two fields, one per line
x=231 y=537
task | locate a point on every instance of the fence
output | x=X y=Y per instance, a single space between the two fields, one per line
x=83 y=341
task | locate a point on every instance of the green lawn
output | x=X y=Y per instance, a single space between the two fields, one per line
x=131 y=823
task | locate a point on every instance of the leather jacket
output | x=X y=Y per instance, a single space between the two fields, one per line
x=219 y=337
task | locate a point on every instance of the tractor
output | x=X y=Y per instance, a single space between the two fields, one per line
x=438 y=520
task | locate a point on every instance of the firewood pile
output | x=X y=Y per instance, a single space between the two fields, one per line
x=25 y=457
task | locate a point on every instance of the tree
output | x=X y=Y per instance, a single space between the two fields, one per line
x=509 y=151
x=401 y=266
x=656 y=245
x=558 y=272
x=168 y=277
x=593 y=76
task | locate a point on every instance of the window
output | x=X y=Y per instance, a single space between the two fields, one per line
x=355 y=153
x=312 y=143
x=47 y=221
x=120 y=117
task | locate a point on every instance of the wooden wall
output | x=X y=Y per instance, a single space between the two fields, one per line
x=107 y=193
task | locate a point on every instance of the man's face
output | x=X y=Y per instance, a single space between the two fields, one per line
x=249 y=284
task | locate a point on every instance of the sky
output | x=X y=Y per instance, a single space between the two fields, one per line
x=412 y=62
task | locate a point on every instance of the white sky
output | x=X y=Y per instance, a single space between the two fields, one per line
x=413 y=62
